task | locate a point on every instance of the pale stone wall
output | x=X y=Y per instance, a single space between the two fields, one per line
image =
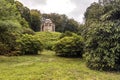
x=48 y=25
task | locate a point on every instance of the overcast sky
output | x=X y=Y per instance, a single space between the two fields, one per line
x=72 y=8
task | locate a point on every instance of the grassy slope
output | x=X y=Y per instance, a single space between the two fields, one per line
x=48 y=38
x=47 y=66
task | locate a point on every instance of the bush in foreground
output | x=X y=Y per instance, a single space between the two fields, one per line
x=30 y=44
x=69 y=46
x=9 y=32
x=104 y=47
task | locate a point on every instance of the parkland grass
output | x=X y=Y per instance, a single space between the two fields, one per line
x=47 y=66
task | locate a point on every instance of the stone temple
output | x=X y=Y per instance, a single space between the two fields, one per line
x=47 y=25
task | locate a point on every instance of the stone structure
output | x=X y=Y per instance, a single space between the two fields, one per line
x=47 y=25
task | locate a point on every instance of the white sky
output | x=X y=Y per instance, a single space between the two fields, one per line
x=72 y=8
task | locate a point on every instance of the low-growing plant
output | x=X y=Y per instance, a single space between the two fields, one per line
x=30 y=44
x=69 y=46
x=3 y=49
x=67 y=34
x=28 y=31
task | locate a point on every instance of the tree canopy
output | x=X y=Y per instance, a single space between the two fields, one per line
x=102 y=36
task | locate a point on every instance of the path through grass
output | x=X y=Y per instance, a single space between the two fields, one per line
x=47 y=66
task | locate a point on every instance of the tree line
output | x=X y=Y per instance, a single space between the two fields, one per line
x=34 y=18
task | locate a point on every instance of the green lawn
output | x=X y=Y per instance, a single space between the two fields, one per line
x=47 y=66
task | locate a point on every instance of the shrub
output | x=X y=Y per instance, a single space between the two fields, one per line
x=104 y=47
x=67 y=33
x=3 y=49
x=9 y=32
x=30 y=44
x=28 y=31
x=69 y=46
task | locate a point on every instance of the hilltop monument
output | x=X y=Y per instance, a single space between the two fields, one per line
x=47 y=25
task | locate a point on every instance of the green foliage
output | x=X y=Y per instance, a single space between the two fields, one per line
x=29 y=44
x=67 y=34
x=112 y=12
x=9 y=32
x=12 y=25
x=102 y=35
x=24 y=11
x=3 y=49
x=94 y=12
x=81 y=29
x=35 y=20
x=7 y=10
x=69 y=46
x=104 y=47
x=71 y=25
x=28 y=31
x=48 y=38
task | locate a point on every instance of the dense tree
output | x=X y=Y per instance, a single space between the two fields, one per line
x=9 y=32
x=24 y=11
x=33 y=17
x=71 y=25
x=8 y=11
x=94 y=12
x=103 y=35
x=11 y=26
x=35 y=20
x=112 y=12
x=92 y=17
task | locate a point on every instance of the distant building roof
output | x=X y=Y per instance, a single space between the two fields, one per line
x=48 y=21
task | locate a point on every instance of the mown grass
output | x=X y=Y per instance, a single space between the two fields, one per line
x=47 y=66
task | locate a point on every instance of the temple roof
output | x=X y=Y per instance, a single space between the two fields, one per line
x=47 y=21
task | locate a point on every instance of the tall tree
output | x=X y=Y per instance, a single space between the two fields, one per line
x=35 y=20
x=94 y=12
x=24 y=11
x=8 y=10
x=103 y=35
x=71 y=25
